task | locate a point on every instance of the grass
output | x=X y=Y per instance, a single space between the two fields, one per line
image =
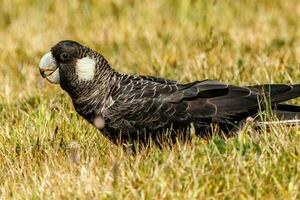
x=48 y=152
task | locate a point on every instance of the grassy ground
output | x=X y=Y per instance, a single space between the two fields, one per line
x=47 y=151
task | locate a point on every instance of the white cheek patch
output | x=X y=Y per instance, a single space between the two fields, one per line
x=85 y=68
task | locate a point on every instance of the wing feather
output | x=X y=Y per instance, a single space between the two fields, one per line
x=152 y=103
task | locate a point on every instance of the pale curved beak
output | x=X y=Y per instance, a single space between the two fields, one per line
x=48 y=68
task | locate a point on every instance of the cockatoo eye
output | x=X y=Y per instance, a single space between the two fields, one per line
x=64 y=57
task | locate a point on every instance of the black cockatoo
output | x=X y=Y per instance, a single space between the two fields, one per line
x=130 y=107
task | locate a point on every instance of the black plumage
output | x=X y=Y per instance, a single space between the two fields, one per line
x=131 y=107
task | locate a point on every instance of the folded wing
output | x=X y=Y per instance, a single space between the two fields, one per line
x=155 y=103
